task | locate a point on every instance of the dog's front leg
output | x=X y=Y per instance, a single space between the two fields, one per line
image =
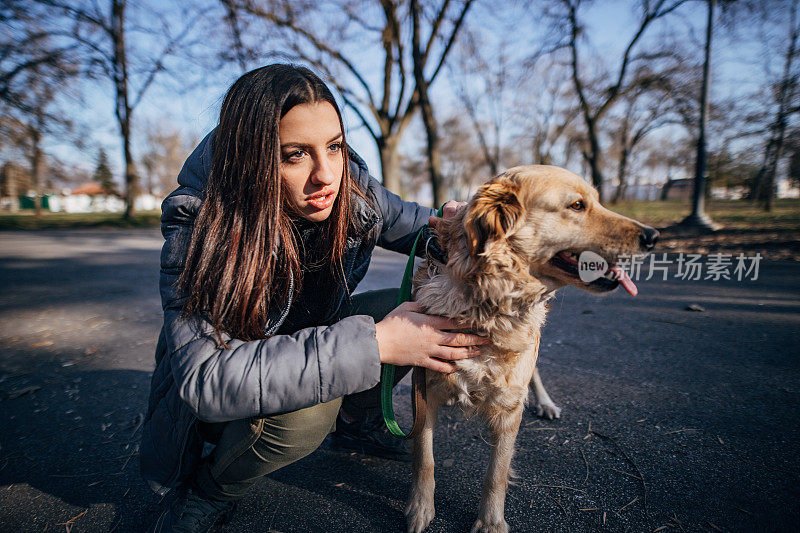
x=491 y=513
x=545 y=407
x=420 y=509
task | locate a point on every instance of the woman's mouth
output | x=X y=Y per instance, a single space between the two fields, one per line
x=322 y=199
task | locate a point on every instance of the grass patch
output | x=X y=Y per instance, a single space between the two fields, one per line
x=746 y=228
x=27 y=221
x=732 y=214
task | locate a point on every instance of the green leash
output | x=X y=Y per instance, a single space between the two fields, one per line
x=387 y=370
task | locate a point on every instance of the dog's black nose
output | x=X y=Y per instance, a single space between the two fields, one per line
x=648 y=238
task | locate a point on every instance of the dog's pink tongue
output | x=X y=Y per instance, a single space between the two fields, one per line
x=624 y=280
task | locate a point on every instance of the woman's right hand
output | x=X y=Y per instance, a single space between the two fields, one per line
x=409 y=337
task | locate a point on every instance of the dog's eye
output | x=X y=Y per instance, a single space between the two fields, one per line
x=577 y=206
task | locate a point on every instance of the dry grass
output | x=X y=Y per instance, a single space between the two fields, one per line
x=26 y=220
x=733 y=214
x=746 y=228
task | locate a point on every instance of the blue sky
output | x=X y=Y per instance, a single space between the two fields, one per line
x=610 y=26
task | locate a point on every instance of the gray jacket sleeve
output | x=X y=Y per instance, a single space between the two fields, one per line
x=278 y=374
x=255 y=378
x=401 y=220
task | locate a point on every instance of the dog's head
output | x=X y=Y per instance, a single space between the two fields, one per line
x=537 y=221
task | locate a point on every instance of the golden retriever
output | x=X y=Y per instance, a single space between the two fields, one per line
x=516 y=242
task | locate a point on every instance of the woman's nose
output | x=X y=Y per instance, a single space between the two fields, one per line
x=323 y=172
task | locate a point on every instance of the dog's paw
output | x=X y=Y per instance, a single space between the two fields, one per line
x=481 y=526
x=548 y=410
x=419 y=514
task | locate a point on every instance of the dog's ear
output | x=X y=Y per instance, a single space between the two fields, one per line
x=493 y=212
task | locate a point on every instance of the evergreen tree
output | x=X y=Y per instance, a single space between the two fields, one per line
x=102 y=173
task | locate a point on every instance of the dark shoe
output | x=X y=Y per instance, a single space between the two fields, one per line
x=369 y=436
x=190 y=512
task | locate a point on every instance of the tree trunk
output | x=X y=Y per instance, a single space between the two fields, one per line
x=123 y=108
x=428 y=119
x=438 y=186
x=765 y=184
x=762 y=189
x=619 y=194
x=390 y=162
x=37 y=168
x=131 y=178
x=440 y=191
x=768 y=188
x=699 y=219
x=701 y=172
x=594 y=157
x=11 y=177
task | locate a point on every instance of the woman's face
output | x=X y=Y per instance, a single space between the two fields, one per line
x=311 y=158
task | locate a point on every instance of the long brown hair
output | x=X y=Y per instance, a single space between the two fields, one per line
x=244 y=259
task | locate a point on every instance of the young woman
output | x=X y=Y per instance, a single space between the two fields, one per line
x=268 y=234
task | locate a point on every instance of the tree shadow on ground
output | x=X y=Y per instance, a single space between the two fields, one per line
x=70 y=441
x=33 y=284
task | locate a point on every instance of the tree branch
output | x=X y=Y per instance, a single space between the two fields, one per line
x=159 y=64
x=317 y=43
x=451 y=39
x=437 y=23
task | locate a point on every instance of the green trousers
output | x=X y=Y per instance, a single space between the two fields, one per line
x=249 y=449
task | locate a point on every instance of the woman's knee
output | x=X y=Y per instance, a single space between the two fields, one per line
x=292 y=436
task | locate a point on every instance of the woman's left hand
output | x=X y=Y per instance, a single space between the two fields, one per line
x=449 y=209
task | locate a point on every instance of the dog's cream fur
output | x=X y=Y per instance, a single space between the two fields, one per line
x=497 y=281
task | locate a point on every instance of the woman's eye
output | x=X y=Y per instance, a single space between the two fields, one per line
x=293 y=156
x=577 y=206
x=335 y=147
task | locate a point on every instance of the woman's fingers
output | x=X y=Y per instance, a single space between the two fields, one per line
x=454 y=338
x=449 y=209
x=438 y=366
x=453 y=353
x=443 y=323
x=451 y=338
x=448 y=338
x=409 y=336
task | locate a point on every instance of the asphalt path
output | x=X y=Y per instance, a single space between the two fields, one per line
x=673 y=420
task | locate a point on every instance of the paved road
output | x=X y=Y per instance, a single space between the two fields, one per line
x=672 y=418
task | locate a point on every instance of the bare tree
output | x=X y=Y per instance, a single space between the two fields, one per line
x=13 y=139
x=463 y=165
x=547 y=112
x=25 y=46
x=14 y=143
x=793 y=149
x=319 y=33
x=784 y=92
x=668 y=156
x=730 y=171
x=33 y=69
x=633 y=71
x=165 y=151
x=420 y=53
x=643 y=112
x=698 y=217
x=103 y=36
x=521 y=111
x=483 y=87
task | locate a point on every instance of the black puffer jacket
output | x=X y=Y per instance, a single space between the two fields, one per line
x=195 y=379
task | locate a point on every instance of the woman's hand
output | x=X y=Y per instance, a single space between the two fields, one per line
x=448 y=211
x=409 y=337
